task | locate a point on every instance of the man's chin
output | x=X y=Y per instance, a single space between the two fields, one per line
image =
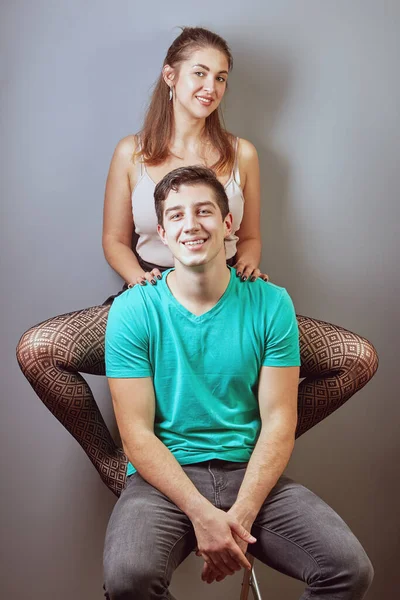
x=192 y=261
x=200 y=259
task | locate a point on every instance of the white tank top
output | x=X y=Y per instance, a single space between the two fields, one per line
x=149 y=246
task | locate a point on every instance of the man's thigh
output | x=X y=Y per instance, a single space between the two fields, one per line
x=146 y=532
x=300 y=535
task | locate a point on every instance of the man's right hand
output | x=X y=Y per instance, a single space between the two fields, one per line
x=214 y=530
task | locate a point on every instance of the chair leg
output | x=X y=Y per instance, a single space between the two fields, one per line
x=246 y=579
x=250 y=581
x=254 y=586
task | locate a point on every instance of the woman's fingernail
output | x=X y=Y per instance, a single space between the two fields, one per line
x=142 y=283
x=244 y=278
x=253 y=278
x=159 y=277
x=153 y=282
x=239 y=274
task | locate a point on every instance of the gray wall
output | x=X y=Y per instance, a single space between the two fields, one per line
x=315 y=87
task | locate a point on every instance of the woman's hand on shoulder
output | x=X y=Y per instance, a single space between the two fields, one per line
x=248 y=271
x=148 y=277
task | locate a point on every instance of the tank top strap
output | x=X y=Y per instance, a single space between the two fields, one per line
x=139 y=161
x=236 y=173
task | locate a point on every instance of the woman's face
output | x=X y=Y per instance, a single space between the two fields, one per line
x=200 y=82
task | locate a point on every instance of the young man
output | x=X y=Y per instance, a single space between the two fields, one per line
x=203 y=370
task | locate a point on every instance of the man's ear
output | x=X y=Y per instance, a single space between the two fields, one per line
x=228 y=222
x=168 y=74
x=161 y=233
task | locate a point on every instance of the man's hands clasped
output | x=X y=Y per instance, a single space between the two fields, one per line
x=222 y=541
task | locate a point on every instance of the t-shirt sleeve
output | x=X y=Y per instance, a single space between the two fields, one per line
x=127 y=338
x=282 y=347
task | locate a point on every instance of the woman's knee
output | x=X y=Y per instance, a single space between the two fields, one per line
x=42 y=347
x=360 y=362
x=26 y=348
x=72 y=342
x=352 y=358
x=366 y=361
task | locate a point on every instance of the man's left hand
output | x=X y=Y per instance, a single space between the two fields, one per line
x=208 y=574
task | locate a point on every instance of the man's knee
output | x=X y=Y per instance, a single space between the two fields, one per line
x=131 y=581
x=361 y=573
x=352 y=571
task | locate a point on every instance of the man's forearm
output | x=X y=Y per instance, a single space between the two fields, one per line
x=157 y=465
x=267 y=463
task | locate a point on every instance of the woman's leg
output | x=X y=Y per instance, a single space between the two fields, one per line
x=50 y=356
x=336 y=363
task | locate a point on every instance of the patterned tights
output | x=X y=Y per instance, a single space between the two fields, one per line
x=335 y=363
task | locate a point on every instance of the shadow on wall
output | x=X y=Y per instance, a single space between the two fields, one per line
x=259 y=87
x=307 y=244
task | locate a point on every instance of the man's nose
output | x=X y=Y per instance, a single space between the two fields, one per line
x=191 y=222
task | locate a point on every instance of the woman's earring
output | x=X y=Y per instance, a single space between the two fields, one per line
x=170 y=93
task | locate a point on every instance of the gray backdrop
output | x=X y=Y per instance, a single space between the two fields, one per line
x=315 y=87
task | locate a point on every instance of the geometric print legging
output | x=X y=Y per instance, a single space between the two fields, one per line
x=52 y=355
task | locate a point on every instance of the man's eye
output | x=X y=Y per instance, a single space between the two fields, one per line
x=204 y=210
x=221 y=79
x=200 y=73
x=175 y=216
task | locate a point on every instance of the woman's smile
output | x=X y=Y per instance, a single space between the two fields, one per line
x=204 y=100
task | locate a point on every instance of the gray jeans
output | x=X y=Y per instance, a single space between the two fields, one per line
x=148 y=536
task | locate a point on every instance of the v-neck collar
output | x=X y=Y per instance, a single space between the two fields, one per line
x=209 y=313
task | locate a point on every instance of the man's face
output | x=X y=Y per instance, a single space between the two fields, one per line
x=193 y=227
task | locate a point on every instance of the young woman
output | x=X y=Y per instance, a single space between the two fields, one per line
x=182 y=127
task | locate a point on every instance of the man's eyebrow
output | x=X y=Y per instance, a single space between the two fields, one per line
x=208 y=68
x=204 y=203
x=180 y=206
x=172 y=208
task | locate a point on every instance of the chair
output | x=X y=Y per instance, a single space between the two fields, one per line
x=250 y=581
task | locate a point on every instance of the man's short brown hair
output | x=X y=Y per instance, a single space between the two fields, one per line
x=189 y=176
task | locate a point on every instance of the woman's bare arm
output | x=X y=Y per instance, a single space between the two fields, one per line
x=249 y=244
x=117 y=217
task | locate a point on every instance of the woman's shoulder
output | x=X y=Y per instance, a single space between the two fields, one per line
x=247 y=151
x=247 y=158
x=127 y=147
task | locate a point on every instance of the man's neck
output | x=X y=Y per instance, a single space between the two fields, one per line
x=198 y=289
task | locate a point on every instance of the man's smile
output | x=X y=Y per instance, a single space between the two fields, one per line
x=194 y=243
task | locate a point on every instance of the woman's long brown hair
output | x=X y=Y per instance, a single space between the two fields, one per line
x=158 y=125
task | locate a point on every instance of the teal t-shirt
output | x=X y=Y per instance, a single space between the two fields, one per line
x=205 y=369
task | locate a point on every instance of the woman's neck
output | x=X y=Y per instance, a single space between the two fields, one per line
x=188 y=133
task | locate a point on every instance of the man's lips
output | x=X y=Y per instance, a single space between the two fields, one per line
x=197 y=242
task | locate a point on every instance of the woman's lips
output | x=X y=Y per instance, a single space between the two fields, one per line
x=204 y=101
